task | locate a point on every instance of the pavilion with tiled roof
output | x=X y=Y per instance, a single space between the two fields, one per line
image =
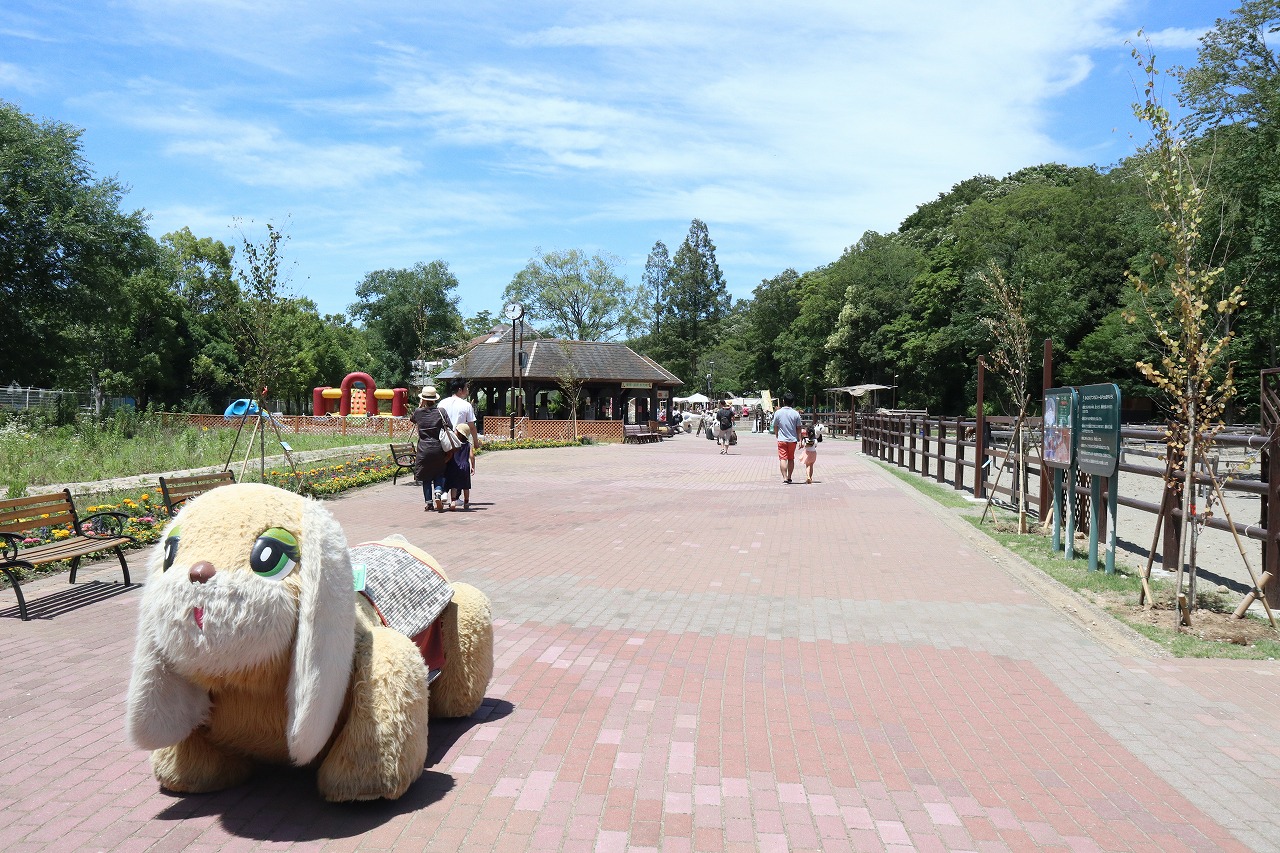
x=618 y=384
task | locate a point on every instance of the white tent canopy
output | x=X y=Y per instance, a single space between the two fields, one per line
x=859 y=390
x=693 y=398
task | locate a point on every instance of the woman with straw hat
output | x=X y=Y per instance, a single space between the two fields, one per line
x=432 y=458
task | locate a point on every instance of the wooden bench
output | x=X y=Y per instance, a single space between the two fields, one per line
x=638 y=434
x=19 y=516
x=405 y=457
x=178 y=490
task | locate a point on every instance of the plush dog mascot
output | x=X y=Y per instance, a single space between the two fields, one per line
x=254 y=645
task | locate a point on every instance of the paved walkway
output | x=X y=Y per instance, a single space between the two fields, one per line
x=693 y=656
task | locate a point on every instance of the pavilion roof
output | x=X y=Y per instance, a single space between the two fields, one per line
x=549 y=359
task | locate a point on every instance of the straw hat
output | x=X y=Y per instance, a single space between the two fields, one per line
x=429 y=394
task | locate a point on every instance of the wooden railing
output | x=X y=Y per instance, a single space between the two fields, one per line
x=951 y=450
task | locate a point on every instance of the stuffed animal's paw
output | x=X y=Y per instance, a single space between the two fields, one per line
x=196 y=766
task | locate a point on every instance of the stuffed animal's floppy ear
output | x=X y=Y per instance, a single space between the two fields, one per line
x=325 y=642
x=163 y=706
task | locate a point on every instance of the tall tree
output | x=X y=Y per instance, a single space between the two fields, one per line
x=881 y=270
x=697 y=299
x=204 y=279
x=576 y=297
x=66 y=247
x=410 y=314
x=657 y=272
x=481 y=323
x=1232 y=94
x=769 y=315
x=262 y=352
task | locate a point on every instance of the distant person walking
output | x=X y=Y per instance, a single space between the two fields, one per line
x=463 y=417
x=809 y=450
x=432 y=458
x=786 y=427
x=724 y=426
x=457 y=474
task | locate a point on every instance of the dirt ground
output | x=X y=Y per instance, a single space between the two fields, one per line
x=1206 y=624
x=1212 y=620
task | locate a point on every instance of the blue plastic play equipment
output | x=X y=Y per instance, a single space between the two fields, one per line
x=239 y=408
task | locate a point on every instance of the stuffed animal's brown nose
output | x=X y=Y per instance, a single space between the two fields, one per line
x=202 y=571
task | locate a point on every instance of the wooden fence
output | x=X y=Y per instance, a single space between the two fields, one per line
x=968 y=454
x=377 y=428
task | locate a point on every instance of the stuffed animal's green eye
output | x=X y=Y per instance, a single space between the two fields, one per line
x=275 y=554
x=171 y=548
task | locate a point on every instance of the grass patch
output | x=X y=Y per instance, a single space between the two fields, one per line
x=941 y=494
x=127 y=444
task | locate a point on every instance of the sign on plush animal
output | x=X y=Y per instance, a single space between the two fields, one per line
x=258 y=642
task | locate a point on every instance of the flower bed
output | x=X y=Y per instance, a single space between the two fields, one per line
x=334 y=479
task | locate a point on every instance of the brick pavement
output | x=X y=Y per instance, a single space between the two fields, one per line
x=693 y=656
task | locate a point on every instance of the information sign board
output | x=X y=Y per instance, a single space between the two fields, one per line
x=1098 y=444
x=1059 y=427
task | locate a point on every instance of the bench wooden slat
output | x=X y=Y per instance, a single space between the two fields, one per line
x=19 y=520
x=24 y=515
x=405 y=457
x=176 y=490
x=65 y=549
x=34 y=503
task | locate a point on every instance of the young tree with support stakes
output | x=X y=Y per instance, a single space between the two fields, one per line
x=1011 y=358
x=571 y=381
x=261 y=350
x=1190 y=316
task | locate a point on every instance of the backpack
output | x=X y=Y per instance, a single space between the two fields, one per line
x=726 y=421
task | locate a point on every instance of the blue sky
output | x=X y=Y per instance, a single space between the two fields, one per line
x=379 y=134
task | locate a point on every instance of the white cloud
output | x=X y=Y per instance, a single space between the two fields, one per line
x=255 y=152
x=17 y=78
x=1176 y=37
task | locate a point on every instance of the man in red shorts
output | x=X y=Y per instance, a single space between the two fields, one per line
x=786 y=427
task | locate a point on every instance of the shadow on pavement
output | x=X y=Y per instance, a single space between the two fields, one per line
x=74 y=597
x=445 y=733
x=282 y=803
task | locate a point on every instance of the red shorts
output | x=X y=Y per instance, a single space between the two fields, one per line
x=787 y=450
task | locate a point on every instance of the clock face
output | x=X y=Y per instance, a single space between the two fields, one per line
x=514 y=310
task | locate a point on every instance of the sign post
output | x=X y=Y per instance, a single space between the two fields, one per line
x=1098 y=455
x=1060 y=417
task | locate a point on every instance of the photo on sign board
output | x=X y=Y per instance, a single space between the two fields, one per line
x=1057 y=431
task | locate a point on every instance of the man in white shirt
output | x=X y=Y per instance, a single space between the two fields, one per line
x=461 y=412
x=457 y=405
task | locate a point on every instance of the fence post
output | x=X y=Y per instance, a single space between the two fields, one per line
x=959 y=454
x=1046 y=477
x=1270 y=419
x=911 y=428
x=941 y=444
x=900 y=439
x=980 y=454
x=926 y=432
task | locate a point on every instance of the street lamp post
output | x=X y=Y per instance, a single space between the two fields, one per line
x=514 y=311
x=894 y=399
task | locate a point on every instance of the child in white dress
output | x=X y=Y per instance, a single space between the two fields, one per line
x=809 y=448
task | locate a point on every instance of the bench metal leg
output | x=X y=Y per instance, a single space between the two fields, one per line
x=75 y=564
x=124 y=567
x=17 y=589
